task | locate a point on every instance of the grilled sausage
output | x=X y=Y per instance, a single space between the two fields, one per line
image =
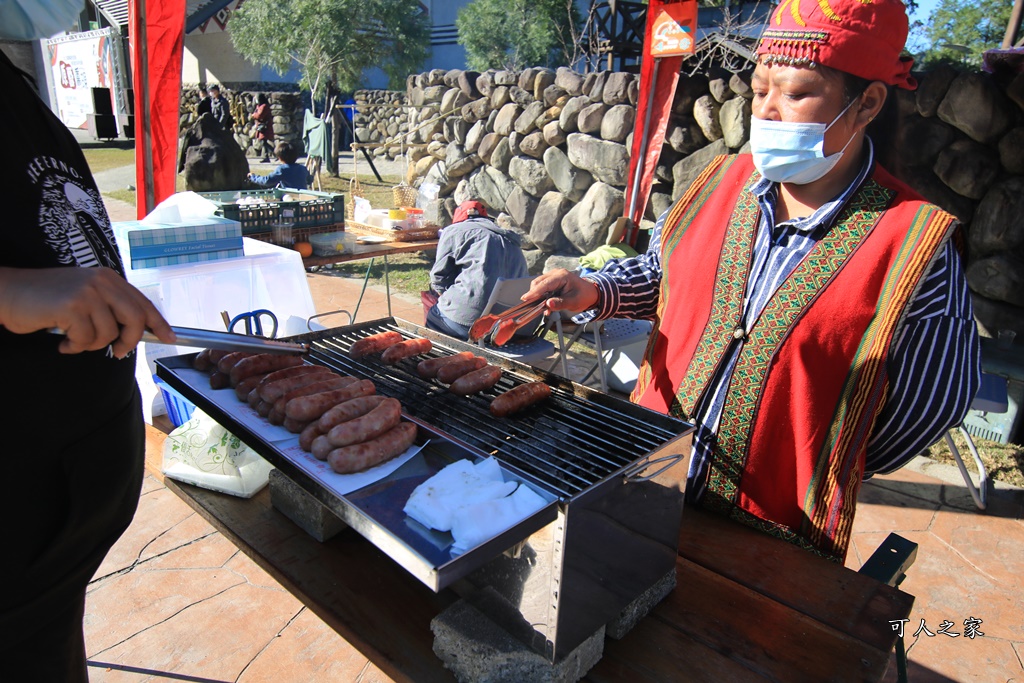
x=312 y=407
x=274 y=390
x=329 y=383
x=308 y=434
x=261 y=364
x=275 y=416
x=348 y=410
x=321 y=447
x=264 y=408
x=375 y=343
x=253 y=399
x=427 y=369
x=406 y=349
x=294 y=426
x=219 y=380
x=523 y=396
x=216 y=355
x=369 y=426
x=245 y=387
x=476 y=381
x=450 y=372
x=290 y=372
x=362 y=456
x=202 y=361
x=227 y=362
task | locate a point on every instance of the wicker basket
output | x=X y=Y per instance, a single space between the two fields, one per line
x=405 y=195
x=427 y=232
x=354 y=190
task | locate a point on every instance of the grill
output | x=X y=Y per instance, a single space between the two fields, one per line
x=613 y=474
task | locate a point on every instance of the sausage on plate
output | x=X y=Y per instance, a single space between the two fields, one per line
x=245 y=387
x=202 y=361
x=219 y=380
x=261 y=364
x=476 y=381
x=272 y=391
x=328 y=383
x=375 y=343
x=369 y=426
x=362 y=456
x=227 y=362
x=519 y=398
x=308 y=434
x=348 y=410
x=427 y=369
x=313 y=406
x=406 y=349
x=450 y=372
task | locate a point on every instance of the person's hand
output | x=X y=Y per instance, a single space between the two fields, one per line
x=574 y=293
x=94 y=307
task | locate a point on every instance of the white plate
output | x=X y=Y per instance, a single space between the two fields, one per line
x=370 y=239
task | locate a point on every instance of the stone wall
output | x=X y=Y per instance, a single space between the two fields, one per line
x=548 y=152
x=381 y=117
x=287 y=108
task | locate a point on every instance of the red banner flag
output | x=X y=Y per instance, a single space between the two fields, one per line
x=156 y=41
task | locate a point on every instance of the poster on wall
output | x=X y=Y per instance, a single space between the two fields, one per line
x=80 y=62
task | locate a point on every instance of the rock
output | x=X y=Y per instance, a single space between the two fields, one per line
x=553 y=134
x=937 y=192
x=932 y=89
x=660 y=203
x=1015 y=90
x=734 y=118
x=546 y=229
x=459 y=163
x=589 y=120
x=527 y=121
x=490 y=186
x=434 y=93
x=998 y=225
x=454 y=99
x=435 y=77
x=633 y=91
x=616 y=88
x=593 y=85
x=438 y=175
x=686 y=137
x=521 y=206
x=534 y=260
x=500 y=97
x=718 y=84
x=533 y=145
x=1011 y=151
x=467 y=84
x=505 y=78
x=567 y=120
x=485 y=83
x=527 y=77
x=606 y=161
x=740 y=85
x=968 y=168
x=686 y=170
x=975 y=105
x=506 y=120
x=705 y=113
x=462 y=192
x=556 y=261
x=689 y=89
x=544 y=78
x=586 y=225
x=473 y=137
x=547 y=116
x=553 y=95
x=922 y=139
x=422 y=166
x=487 y=145
x=521 y=97
x=993 y=316
x=569 y=180
x=617 y=122
x=501 y=156
x=459 y=130
x=569 y=81
x=214 y=162
x=437 y=149
x=530 y=175
x=999 y=277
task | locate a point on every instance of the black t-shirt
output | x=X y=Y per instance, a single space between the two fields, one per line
x=53 y=216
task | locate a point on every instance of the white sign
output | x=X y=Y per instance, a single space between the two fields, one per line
x=80 y=62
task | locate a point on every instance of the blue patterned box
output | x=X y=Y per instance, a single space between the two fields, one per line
x=163 y=244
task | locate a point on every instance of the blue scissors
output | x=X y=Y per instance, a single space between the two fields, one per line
x=254 y=322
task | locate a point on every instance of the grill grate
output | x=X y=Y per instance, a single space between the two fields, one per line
x=568 y=443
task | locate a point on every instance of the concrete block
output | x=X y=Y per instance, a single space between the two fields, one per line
x=631 y=615
x=296 y=504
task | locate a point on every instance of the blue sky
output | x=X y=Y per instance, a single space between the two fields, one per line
x=924 y=9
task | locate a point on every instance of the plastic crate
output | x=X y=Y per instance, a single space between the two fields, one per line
x=305 y=209
x=179 y=408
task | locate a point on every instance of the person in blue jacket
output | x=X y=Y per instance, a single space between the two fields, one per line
x=288 y=174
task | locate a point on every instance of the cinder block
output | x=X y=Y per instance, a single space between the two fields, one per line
x=296 y=504
x=631 y=615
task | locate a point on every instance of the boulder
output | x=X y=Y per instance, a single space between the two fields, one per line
x=586 y=225
x=527 y=77
x=213 y=160
x=718 y=84
x=606 y=161
x=553 y=95
x=530 y=175
x=478 y=110
x=968 y=168
x=521 y=97
x=593 y=85
x=937 y=192
x=533 y=145
x=556 y=261
x=553 y=134
x=500 y=97
x=434 y=94
x=467 y=84
x=734 y=118
x=454 y=99
x=705 y=113
x=474 y=136
x=589 y=120
x=501 y=156
x=438 y=175
x=999 y=277
x=976 y=106
x=998 y=225
x=534 y=260
x=437 y=149
x=740 y=85
x=527 y=121
x=435 y=77
x=544 y=78
x=521 y=206
x=485 y=83
x=686 y=170
x=921 y=140
x=569 y=180
x=505 y=78
x=932 y=89
x=546 y=229
x=616 y=88
x=1011 y=151
x=487 y=145
x=993 y=316
x=1015 y=90
x=567 y=120
x=506 y=120
x=660 y=203
x=633 y=92
x=686 y=137
x=689 y=89
x=514 y=139
x=569 y=81
x=422 y=166
x=491 y=186
x=459 y=163
x=617 y=122
x=547 y=116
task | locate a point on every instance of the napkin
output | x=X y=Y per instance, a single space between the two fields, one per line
x=434 y=502
x=474 y=524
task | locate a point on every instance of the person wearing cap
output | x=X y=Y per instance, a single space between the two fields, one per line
x=811 y=314
x=472 y=254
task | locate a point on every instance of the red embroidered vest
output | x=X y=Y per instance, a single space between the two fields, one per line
x=810 y=379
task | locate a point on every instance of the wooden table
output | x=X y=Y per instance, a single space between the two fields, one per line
x=746 y=607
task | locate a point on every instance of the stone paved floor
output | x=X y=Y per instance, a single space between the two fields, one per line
x=176 y=601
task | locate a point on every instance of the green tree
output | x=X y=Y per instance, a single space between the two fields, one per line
x=333 y=40
x=959 y=31
x=513 y=34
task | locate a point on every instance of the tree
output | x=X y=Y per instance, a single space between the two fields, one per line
x=333 y=40
x=513 y=34
x=961 y=30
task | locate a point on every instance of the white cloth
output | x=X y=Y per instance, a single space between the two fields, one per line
x=474 y=524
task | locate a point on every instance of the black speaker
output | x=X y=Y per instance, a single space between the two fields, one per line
x=102 y=125
x=128 y=125
x=131 y=100
x=101 y=103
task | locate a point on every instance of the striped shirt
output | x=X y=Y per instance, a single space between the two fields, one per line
x=933 y=368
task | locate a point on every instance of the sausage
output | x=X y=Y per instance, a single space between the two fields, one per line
x=216 y=355
x=227 y=362
x=245 y=387
x=296 y=371
x=375 y=343
x=253 y=399
x=362 y=456
x=326 y=384
x=427 y=369
x=275 y=416
x=312 y=407
x=450 y=372
x=264 y=408
x=219 y=380
x=274 y=390
x=294 y=426
x=406 y=349
x=518 y=398
x=476 y=381
x=348 y=410
x=321 y=447
x=369 y=426
x=308 y=434
x=261 y=364
x=202 y=361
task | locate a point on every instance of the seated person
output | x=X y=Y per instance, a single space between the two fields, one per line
x=288 y=174
x=472 y=254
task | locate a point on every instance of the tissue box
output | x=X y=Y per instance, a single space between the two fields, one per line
x=163 y=244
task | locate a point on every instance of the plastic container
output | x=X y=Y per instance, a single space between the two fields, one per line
x=331 y=243
x=282 y=235
x=179 y=408
x=414 y=218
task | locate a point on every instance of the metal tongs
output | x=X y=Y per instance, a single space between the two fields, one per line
x=500 y=328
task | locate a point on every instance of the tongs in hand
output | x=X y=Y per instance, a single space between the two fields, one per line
x=501 y=327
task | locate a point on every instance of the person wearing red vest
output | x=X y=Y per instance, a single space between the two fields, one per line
x=811 y=314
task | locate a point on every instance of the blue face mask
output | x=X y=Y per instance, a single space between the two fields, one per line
x=34 y=19
x=793 y=152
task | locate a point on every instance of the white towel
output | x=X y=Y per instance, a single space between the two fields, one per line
x=474 y=524
x=434 y=502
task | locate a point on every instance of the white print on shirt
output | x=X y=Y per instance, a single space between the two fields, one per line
x=74 y=222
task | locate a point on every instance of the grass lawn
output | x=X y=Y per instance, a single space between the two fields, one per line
x=105 y=158
x=1003 y=462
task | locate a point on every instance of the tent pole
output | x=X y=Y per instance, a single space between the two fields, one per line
x=634 y=190
x=148 y=191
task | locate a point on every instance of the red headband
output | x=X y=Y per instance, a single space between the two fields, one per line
x=860 y=37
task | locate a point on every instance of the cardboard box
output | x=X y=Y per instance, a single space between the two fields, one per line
x=151 y=245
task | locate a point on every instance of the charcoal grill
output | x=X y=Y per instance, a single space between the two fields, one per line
x=612 y=473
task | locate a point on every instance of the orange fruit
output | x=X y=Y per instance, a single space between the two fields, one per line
x=304 y=248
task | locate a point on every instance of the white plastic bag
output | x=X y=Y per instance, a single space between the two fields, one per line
x=203 y=453
x=181 y=208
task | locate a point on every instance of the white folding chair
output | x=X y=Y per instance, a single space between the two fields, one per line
x=991 y=398
x=505 y=295
x=603 y=336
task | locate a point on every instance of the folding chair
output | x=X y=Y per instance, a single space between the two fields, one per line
x=991 y=398
x=602 y=336
x=531 y=350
